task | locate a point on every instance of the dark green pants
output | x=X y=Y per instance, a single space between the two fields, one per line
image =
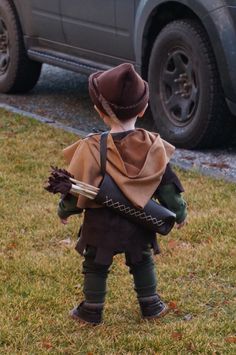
x=95 y=276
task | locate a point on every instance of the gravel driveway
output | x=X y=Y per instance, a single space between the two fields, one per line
x=61 y=99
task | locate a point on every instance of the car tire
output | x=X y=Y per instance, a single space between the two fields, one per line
x=186 y=97
x=17 y=72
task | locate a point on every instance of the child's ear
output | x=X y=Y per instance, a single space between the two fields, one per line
x=143 y=111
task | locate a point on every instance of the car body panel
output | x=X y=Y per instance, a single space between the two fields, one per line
x=85 y=21
x=113 y=31
x=125 y=29
x=221 y=28
x=41 y=19
x=109 y=32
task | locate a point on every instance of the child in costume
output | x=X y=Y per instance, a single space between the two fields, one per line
x=138 y=161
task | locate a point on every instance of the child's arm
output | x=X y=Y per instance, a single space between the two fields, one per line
x=170 y=198
x=68 y=206
x=169 y=195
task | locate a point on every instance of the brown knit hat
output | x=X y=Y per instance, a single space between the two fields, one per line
x=119 y=92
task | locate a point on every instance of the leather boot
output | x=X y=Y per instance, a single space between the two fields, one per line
x=152 y=307
x=88 y=312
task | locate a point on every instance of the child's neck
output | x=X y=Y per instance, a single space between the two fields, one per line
x=125 y=126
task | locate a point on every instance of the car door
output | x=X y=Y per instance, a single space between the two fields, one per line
x=89 y=27
x=125 y=16
x=46 y=20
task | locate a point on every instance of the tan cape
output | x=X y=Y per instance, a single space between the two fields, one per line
x=136 y=163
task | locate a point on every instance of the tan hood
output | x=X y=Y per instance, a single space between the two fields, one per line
x=136 y=163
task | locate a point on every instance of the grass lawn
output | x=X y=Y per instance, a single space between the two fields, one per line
x=40 y=272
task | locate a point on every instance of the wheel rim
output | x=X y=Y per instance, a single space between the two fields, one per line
x=179 y=87
x=4 y=47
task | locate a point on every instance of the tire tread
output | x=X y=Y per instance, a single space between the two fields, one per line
x=219 y=116
x=24 y=72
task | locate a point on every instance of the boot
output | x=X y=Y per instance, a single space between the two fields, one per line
x=88 y=312
x=152 y=307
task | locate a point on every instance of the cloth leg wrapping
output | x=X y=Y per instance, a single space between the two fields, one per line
x=95 y=277
x=144 y=275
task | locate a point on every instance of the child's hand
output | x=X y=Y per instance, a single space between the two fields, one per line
x=180 y=225
x=64 y=220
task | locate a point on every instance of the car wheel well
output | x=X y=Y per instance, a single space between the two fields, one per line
x=159 y=18
x=21 y=74
x=16 y=14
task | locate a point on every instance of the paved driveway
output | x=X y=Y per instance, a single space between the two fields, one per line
x=61 y=97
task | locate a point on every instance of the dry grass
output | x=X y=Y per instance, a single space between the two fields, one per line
x=41 y=279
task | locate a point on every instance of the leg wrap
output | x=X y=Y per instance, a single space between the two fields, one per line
x=88 y=312
x=152 y=306
x=95 y=277
x=145 y=281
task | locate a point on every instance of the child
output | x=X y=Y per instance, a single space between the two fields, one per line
x=137 y=160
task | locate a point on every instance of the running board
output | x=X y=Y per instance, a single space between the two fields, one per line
x=65 y=61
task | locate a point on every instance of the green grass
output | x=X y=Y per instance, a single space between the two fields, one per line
x=41 y=276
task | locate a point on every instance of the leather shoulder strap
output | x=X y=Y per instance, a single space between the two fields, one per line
x=103 y=152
